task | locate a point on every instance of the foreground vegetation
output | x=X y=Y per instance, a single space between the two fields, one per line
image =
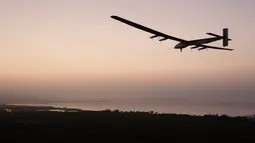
x=116 y=126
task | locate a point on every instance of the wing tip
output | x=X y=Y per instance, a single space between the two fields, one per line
x=114 y=16
x=229 y=49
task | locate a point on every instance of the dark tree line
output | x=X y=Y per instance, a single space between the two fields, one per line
x=120 y=126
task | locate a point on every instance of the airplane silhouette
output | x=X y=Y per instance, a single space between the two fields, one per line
x=198 y=43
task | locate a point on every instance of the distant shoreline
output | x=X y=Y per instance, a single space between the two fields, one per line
x=27 y=107
x=24 y=107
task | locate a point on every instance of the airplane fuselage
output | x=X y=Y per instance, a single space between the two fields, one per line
x=182 y=45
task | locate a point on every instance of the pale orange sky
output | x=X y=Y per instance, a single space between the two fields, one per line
x=76 y=41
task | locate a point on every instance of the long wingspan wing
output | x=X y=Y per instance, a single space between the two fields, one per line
x=213 y=47
x=141 y=27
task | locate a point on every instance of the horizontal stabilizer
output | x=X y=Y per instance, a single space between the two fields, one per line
x=213 y=47
x=224 y=37
x=215 y=35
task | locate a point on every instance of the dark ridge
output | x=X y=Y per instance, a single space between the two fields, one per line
x=32 y=126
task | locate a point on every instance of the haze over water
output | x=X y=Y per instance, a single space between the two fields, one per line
x=71 y=53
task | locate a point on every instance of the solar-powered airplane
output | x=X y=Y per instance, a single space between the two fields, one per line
x=197 y=44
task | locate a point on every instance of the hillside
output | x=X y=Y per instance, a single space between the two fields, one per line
x=116 y=126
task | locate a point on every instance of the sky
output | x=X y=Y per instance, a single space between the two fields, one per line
x=71 y=51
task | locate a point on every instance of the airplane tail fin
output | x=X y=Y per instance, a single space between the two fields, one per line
x=225 y=36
